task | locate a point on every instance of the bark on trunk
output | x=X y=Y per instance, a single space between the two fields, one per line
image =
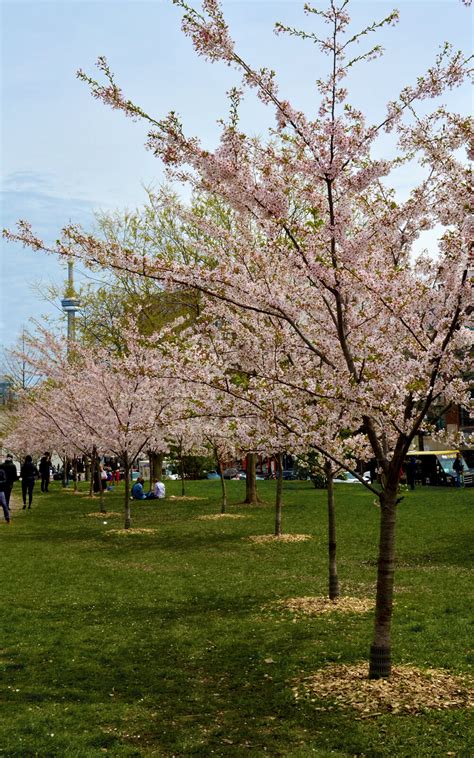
x=101 y=488
x=128 y=518
x=74 y=473
x=223 y=485
x=332 y=544
x=380 y=651
x=87 y=469
x=181 y=467
x=92 y=469
x=156 y=466
x=65 y=482
x=251 y=496
x=279 y=495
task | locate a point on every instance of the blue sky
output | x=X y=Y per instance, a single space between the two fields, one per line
x=65 y=155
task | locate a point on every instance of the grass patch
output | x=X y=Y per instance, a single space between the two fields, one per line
x=157 y=644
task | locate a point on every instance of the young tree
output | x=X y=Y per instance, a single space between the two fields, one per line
x=323 y=245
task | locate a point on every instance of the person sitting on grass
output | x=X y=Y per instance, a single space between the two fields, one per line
x=138 y=492
x=160 y=490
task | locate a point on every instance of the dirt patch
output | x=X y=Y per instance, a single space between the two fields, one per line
x=409 y=690
x=131 y=531
x=316 y=606
x=271 y=538
x=219 y=516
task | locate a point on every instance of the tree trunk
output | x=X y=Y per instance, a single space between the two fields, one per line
x=251 y=496
x=223 y=485
x=128 y=519
x=332 y=545
x=380 y=651
x=181 y=468
x=101 y=488
x=156 y=466
x=91 y=470
x=74 y=473
x=279 y=495
x=87 y=468
x=65 y=482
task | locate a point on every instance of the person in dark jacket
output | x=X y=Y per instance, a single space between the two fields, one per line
x=138 y=493
x=29 y=473
x=458 y=467
x=11 y=476
x=411 y=468
x=3 y=500
x=44 y=469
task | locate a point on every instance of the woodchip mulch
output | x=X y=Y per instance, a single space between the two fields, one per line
x=108 y=514
x=315 y=606
x=185 y=497
x=131 y=531
x=283 y=538
x=409 y=690
x=220 y=516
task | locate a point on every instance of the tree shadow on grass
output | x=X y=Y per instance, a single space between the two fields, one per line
x=183 y=692
x=455 y=551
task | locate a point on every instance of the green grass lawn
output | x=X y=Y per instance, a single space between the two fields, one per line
x=165 y=643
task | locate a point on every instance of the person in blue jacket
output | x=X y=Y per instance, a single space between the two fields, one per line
x=138 y=493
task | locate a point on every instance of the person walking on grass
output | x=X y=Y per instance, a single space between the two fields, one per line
x=11 y=476
x=410 y=471
x=44 y=469
x=458 y=467
x=3 y=500
x=29 y=473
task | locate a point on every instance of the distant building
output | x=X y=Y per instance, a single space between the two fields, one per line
x=6 y=392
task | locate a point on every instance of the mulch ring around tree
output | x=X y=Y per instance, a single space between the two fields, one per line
x=408 y=691
x=273 y=539
x=108 y=514
x=185 y=497
x=315 y=606
x=219 y=516
x=132 y=531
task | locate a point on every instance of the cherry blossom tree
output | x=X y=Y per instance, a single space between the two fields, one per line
x=246 y=381
x=323 y=245
x=103 y=404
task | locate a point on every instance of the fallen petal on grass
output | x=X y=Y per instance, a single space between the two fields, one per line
x=409 y=690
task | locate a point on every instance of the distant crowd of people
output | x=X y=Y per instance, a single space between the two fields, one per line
x=29 y=473
x=104 y=477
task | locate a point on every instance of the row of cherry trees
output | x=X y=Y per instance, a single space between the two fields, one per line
x=92 y=403
x=317 y=311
